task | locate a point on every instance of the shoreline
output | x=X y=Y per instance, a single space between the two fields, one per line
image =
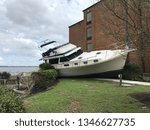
x=18 y=66
x=14 y=70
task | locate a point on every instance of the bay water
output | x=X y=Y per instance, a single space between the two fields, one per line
x=14 y=70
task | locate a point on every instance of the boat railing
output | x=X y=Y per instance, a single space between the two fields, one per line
x=114 y=46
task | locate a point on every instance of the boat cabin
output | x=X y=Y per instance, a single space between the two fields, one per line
x=63 y=53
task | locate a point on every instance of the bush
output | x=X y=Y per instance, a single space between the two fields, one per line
x=9 y=102
x=132 y=71
x=45 y=66
x=5 y=75
x=43 y=80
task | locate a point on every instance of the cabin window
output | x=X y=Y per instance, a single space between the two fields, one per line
x=53 y=61
x=89 y=33
x=89 y=47
x=85 y=62
x=67 y=58
x=98 y=53
x=64 y=59
x=95 y=60
x=89 y=18
x=66 y=64
x=70 y=57
x=75 y=63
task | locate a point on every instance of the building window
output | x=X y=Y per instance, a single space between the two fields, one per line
x=89 y=33
x=89 y=47
x=89 y=17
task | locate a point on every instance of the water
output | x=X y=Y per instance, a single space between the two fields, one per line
x=14 y=70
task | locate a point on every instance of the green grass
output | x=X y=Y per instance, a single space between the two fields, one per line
x=86 y=95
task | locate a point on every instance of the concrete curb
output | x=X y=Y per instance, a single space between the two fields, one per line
x=126 y=81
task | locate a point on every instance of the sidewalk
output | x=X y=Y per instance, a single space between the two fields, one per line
x=126 y=81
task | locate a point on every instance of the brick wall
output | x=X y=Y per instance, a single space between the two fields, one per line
x=77 y=34
x=101 y=37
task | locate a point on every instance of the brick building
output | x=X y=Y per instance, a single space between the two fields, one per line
x=88 y=33
x=91 y=34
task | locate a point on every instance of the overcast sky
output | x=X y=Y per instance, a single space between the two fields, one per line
x=25 y=23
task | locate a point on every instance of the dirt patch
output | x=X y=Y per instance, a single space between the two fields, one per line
x=74 y=106
x=26 y=103
x=61 y=94
x=142 y=97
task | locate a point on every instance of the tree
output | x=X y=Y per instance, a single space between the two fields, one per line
x=128 y=21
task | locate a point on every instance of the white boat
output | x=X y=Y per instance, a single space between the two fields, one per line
x=70 y=61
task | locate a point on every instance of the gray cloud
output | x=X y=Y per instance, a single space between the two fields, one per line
x=16 y=50
x=16 y=45
x=27 y=12
x=24 y=23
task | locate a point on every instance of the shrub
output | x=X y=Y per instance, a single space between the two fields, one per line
x=9 y=102
x=5 y=75
x=45 y=66
x=132 y=71
x=42 y=80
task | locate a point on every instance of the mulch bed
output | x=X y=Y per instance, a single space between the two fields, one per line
x=143 y=97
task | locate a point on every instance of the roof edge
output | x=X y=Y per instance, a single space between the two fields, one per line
x=76 y=23
x=92 y=5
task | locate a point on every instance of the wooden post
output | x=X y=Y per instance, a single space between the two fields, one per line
x=5 y=81
x=18 y=82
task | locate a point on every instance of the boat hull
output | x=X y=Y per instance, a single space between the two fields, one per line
x=108 y=68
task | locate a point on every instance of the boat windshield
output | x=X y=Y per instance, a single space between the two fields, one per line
x=72 y=56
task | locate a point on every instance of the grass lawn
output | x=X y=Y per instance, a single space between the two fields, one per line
x=87 y=95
